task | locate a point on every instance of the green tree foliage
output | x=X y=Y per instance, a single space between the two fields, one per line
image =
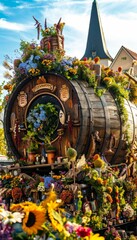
x=2 y=142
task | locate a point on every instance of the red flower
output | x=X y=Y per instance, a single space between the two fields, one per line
x=96 y=59
x=83 y=231
x=119 y=69
x=85 y=59
x=6 y=97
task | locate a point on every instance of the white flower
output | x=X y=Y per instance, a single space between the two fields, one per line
x=128 y=211
x=17 y=217
x=9 y=217
x=41 y=187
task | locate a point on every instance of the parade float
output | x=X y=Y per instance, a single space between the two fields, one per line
x=85 y=114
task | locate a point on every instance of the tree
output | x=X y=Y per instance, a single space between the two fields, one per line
x=3 y=148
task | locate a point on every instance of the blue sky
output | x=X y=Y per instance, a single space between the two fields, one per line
x=119 y=20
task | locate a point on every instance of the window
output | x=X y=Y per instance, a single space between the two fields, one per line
x=123 y=58
x=94 y=54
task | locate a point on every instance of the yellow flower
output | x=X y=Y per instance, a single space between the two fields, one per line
x=73 y=70
x=55 y=217
x=20 y=206
x=97 y=237
x=109 y=198
x=96 y=156
x=56 y=177
x=34 y=218
x=52 y=197
x=100 y=180
x=52 y=205
x=94 y=237
x=34 y=71
x=46 y=62
x=98 y=163
x=108 y=80
x=109 y=189
x=85 y=219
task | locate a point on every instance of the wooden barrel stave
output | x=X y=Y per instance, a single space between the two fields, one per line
x=89 y=114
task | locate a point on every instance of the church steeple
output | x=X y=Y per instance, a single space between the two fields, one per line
x=96 y=45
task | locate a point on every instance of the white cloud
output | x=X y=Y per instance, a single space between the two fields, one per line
x=26 y=6
x=4 y=24
x=2 y=7
x=118 y=20
x=76 y=23
x=120 y=30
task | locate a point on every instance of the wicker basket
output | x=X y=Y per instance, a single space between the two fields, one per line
x=52 y=43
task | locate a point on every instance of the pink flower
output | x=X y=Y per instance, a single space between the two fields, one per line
x=70 y=227
x=83 y=231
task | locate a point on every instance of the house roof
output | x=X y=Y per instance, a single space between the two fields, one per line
x=132 y=54
x=96 y=44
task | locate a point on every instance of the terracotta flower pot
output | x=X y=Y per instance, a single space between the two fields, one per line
x=50 y=156
x=31 y=158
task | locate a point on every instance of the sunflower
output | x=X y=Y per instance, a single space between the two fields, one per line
x=97 y=237
x=34 y=218
x=54 y=216
x=52 y=196
x=20 y=206
x=94 y=237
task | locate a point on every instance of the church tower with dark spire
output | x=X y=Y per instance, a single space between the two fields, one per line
x=96 y=44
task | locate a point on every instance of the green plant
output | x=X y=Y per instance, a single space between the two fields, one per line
x=31 y=142
x=42 y=121
x=48 y=144
x=53 y=30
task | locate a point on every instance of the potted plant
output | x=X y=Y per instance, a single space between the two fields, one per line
x=52 y=37
x=31 y=145
x=50 y=150
x=42 y=121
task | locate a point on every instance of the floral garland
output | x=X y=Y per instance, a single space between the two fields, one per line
x=43 y=120
x=117 y=202
x=35 y=61
x=35 y=221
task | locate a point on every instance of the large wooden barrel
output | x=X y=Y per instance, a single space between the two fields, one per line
x=91 y=124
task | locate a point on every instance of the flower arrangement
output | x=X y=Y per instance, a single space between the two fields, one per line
x=28 y=220
x=43 y=120
x=112 y=234
x=50 y=31
x=16 y=186
x=109 y=191
x=36 y=61
x=53 y=30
